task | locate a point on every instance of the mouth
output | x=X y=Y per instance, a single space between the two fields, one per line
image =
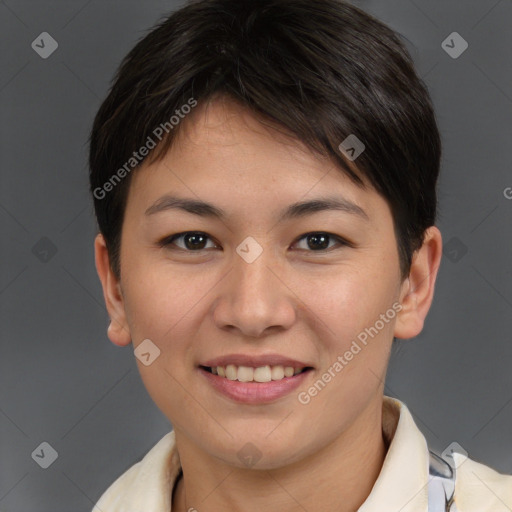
x=255 y=380
x=259 y=374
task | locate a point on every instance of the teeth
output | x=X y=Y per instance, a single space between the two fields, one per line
x=288 y=371
x=260 y=374
x=245 y=374
x=263 y=374
x=231 y=371
x=277 y=372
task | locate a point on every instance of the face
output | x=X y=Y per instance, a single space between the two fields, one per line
x=255 y=288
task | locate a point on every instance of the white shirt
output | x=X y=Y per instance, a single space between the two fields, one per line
x=402 y=484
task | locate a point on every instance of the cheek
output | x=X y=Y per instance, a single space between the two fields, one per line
x=348 y=300
x=160 y=303
x=354 y=338
x=354 y=341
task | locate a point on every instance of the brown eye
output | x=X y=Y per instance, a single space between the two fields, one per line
x=192 y=241
x=195 y=241
x=319 y=241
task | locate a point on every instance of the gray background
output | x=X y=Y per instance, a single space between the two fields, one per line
x=63 y=382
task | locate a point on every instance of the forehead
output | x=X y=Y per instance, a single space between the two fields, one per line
x=226 y=155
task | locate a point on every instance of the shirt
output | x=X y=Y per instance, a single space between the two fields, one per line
x=402 y=484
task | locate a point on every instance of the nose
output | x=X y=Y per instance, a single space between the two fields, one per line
x=254 y=298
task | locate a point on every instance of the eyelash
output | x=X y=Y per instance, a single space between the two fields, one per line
x=167 y=241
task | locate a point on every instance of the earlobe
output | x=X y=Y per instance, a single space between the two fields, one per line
x=118 y=331
x=417 y=290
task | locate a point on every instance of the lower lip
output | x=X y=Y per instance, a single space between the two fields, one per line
x=255 y=392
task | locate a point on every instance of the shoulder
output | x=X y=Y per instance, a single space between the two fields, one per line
x=114 y=495
x=479 y=488
x=147 y=481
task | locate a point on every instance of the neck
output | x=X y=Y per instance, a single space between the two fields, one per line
x=337 y=478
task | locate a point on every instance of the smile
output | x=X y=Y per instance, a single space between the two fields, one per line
x=254 y=385
x=265 y=373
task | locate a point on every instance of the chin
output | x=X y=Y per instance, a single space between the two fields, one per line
x=256 y=452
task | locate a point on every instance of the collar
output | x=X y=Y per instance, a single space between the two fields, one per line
x=402 y=484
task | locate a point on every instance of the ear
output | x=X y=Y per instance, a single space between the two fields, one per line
x=118 y=331
x=417 y=291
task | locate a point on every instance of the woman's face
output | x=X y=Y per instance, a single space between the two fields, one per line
x=252 y=290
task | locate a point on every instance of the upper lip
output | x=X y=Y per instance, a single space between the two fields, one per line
x=255 y=361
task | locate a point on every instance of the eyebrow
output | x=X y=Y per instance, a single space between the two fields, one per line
x=293 y=211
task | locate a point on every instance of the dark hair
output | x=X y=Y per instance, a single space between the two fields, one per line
x=320 y=70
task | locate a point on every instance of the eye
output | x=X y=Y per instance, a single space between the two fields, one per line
x=319 y=241
x=193 y=240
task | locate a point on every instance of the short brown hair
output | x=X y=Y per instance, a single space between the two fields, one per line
x=319 y=69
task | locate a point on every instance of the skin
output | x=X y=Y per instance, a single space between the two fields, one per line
x=292 y=300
